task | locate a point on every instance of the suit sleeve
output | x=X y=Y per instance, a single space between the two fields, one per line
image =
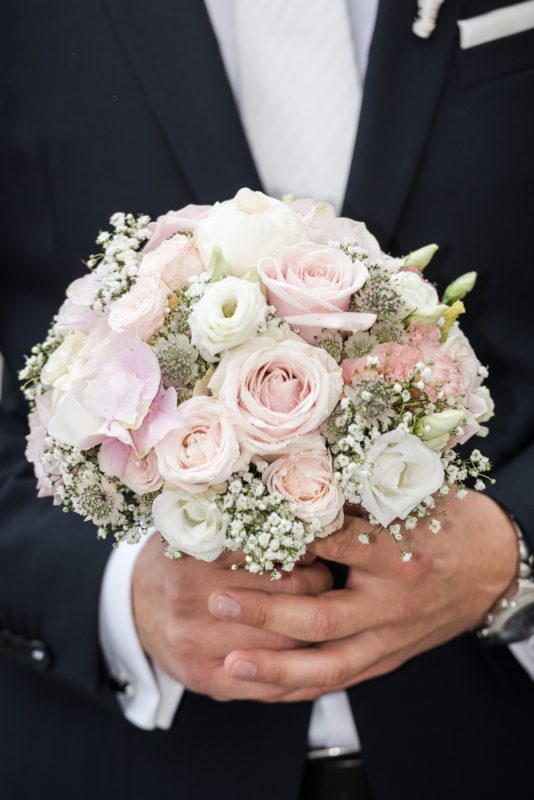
x=51 y=567
x=513 y=490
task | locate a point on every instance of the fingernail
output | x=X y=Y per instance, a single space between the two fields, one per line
x=225 y=606
x=243 y=669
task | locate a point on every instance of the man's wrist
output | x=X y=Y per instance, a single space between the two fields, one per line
x=147 y=696
x=511 y=619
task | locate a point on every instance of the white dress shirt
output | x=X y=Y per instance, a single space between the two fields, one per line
x=153 y=697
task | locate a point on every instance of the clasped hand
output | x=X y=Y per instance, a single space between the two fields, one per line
x=298 y=639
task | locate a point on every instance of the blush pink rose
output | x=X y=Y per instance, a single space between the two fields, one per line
x=203 y=450
x=185 y=220
x=311 y=286
x=138 y=474
x=142 y=309
x=173 y=262
x=277 y=391
x=306 y=480
x=323 y=226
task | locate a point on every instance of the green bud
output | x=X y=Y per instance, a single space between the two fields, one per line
x=218 y=267
x=421 y=258
x=288 y=199
x=429 y=316
x=458 y=289
x=435 y=429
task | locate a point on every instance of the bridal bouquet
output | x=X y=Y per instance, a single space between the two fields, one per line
x=233 y=375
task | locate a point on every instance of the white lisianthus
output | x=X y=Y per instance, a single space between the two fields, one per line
x=420 y=299
x=193 y=524
x=248 y=227
x=400 y=472
x=435 y=429
x=56 y=370
x=231 y=312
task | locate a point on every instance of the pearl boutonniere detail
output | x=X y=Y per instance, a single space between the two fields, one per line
x=427 y=14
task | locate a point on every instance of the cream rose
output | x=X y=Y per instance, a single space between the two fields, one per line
x=230 y=313
x=277 y=391
x=401 y=471
x=173 y=262
x=248 y=227
x=193 y=524
x=306 y=480
x=142 y=309
x=204 y=449
x=311 y=285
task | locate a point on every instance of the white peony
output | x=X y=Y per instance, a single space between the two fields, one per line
x=231 y=312
x=248 y=227
x=401 y=471
x=420 y=299
x=193 y=524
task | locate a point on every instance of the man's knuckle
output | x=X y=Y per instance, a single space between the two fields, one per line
x=335 y=673
x=323 y=623
x=340 y=546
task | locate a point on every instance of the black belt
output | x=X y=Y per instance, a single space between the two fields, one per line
x=335 y=774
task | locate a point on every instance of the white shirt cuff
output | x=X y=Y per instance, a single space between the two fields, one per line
x=151 y=697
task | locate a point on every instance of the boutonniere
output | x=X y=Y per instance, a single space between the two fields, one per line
x=427 y=14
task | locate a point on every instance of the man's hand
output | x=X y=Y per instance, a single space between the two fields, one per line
x=170 y=601
x=389 y=610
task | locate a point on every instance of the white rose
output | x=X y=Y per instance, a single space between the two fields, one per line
x=401 y=471
x=231 y=312
x=420 y=299
x=56 y=370
x=248 y=227
x=193 y=524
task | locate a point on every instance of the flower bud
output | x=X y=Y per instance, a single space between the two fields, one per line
x=435 y=429
x=459 y=288
x=422 y=257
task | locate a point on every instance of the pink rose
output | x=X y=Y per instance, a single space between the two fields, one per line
x=173 y=262
x=323 y=226
x=311 y=286
x=142 y=309
x=277 y=391
x=185 y=220
x=138 y=474
x=306 y=480
x=204 y=449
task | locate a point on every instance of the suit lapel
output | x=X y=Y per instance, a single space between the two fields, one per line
x=404 y=79
x=174 y=55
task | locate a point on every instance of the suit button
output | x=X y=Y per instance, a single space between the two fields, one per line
x=40 y=656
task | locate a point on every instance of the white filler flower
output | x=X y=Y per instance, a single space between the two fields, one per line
x=231 y=312
x=192 y=524
x=400 y=472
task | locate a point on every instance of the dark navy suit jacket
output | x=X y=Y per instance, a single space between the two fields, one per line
x=124 y=105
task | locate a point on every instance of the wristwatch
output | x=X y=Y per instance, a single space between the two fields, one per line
x=512 y=619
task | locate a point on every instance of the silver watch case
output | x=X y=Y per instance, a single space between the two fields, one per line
x=513 y=621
